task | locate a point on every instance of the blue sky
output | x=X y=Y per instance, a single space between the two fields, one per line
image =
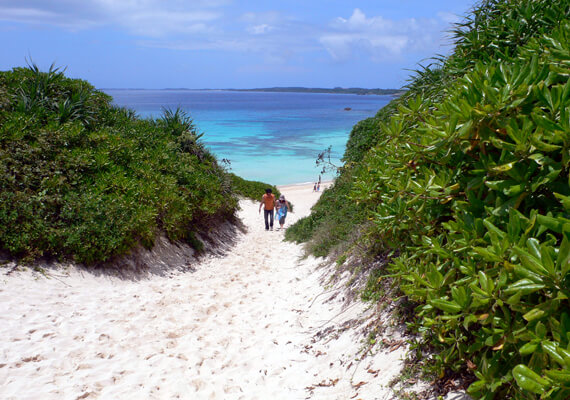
x=228 y=44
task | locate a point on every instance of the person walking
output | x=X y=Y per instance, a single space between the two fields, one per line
x=282 y=210
x=277 y=206
x=268 y=200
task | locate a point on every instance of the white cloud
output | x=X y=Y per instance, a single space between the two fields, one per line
x=210 y=25
x=140 y=17
x=259 y=29
x=448 y=17
x=163 y=23
x=381 y=38
x=33 y=15
x=359 y=22
x=19 y=14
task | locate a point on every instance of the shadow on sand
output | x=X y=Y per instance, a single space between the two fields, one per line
x=165 y=258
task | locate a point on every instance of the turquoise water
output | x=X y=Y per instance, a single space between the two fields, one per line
x=268 y=137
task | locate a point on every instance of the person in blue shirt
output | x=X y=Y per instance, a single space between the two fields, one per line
x=282 y=210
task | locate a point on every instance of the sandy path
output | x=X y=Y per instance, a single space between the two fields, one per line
x=251 y=325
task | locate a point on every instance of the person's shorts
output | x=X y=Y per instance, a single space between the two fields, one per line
x=282 y=220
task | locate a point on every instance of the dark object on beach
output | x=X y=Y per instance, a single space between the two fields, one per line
x=347 y=108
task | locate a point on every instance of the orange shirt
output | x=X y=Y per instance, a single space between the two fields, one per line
x=269 y=200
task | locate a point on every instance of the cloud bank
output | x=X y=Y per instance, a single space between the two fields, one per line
x=379 y=37
x=213 y=25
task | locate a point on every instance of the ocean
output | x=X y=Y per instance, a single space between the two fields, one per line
x=266 y=136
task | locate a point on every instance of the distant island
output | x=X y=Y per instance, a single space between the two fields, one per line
x=336 y=90
x=293 y=89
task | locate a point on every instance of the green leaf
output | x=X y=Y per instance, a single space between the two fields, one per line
x=547 y=261
x=534 y=314
x=540 y=330
x=551 y=349
x=514 y=299
x=503 y=168
x=487 y=255
x=446 y=305
x=554 y=224
x=514 y=226
x=478 y=291
x=486 y=284
x=564 y=200
x=529 y=261
x=549 y=126
x=529 y=380
x=469 y=319
x=505 y=186
x=522 y=270
x=534 y=246
x=563 y=258
x=524 y=287
x=501 y=144
x=528 y=348
x=477 y=386
x=492 y=228
x=559 y=376
x=460 y=296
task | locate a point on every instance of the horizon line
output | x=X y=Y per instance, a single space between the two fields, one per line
x=272 y=88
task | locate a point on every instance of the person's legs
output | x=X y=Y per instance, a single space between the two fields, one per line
x=282 y=222
x=266 y=216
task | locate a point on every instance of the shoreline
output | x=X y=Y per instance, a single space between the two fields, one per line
x=324 y=185
x=306 y=90
x=255 y=134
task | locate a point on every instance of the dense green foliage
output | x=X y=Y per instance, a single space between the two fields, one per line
x=467 y=182
x=364 y=135
x=83 y=179
x=331 y=221
x=252 y=190
x=360 y=91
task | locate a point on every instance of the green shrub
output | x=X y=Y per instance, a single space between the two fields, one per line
x=492 y=271
x=467 y=180
x=85 y=180
x=332 y=220
x=366 y=134
x=477 y=197
x=252 y=190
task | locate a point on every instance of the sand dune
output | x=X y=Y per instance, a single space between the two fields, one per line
x=256 y=323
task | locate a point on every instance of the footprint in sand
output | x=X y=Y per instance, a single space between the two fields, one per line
x=198 y=384
x=173 y=335
x=36 y=358
x=104 y=337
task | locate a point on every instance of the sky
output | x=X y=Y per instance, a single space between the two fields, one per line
x=218 y=44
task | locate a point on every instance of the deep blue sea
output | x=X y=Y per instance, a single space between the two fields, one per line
x=268 y=137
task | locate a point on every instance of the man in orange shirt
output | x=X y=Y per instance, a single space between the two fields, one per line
x=268 y=200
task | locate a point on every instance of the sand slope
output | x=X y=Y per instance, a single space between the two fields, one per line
x=254 y=324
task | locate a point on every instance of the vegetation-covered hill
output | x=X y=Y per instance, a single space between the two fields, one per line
x=336 y=90
x=463 y=185
x=82 y=179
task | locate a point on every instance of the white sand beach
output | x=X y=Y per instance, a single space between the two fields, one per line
x=256 y=323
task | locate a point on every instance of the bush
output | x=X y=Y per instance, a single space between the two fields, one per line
x=252 y=190
x=481 y=205
x=85 y=180
x=467 y=178
x=333 y=218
